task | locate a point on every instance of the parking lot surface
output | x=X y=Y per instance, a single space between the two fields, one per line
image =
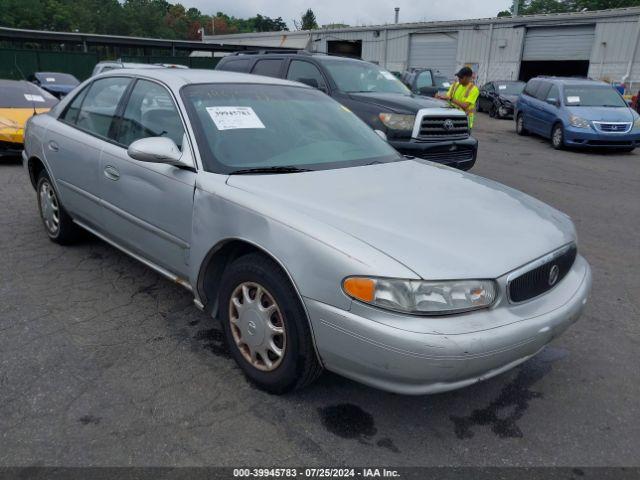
x=105 y=363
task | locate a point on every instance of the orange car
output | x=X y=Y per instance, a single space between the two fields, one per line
x=19 y=101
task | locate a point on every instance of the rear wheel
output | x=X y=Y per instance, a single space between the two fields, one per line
x=57 y=222
x=520 y=130
x=265 y=325
x=557 y=137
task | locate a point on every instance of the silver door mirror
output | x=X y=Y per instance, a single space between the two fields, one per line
x=381 y=134
x=156 y=150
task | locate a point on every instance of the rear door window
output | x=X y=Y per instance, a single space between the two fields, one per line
x=70 y=115
x=531 y=88
x=543 y=90
x=100 y=104
x=270 y=67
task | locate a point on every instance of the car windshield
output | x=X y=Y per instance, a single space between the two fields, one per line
x=509 y=88
x=21 y=94
x=593 y=96
x=50 y=78
x=356 y=76
x=253 y=126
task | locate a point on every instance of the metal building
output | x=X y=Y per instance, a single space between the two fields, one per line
x=600 y=44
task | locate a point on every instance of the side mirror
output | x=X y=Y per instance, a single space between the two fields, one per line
x=553 y=101
x=156 y=150
x=381 y=134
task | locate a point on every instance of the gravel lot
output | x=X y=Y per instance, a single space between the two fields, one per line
x=104 y=362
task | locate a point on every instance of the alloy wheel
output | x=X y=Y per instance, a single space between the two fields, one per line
x=257 y=326
x=557 y=137
x=49 y=208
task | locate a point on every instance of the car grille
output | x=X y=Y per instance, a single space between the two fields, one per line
x=540 y=279
x=616 y=127
x=455 y=156
x=432 y=128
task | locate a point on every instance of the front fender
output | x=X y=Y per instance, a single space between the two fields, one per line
x=316 y=257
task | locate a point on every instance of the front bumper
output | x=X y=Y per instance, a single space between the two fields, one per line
x=588 y=137
x=376 y=351
x=506 y=110
x=11 y=141
x=455 y=153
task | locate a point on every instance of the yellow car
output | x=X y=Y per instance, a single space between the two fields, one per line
x=19 y=101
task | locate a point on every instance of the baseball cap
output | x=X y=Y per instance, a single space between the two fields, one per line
x=464 y=72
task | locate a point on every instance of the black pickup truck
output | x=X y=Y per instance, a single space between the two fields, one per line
x=414 y=125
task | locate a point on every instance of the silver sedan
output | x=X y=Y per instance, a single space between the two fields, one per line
x=313 y=242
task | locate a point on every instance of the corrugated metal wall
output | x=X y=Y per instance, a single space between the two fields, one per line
x=559 y=43
x=435 y=50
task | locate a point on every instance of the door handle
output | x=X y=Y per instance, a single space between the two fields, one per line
x=111 y=173
x=53 y=146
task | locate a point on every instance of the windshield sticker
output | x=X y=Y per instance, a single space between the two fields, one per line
x=232 y=118
x=502 y=87
x=33 y=98
x=388 y=75
x=50 y=79
x=574 y=99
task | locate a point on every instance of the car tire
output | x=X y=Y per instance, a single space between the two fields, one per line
x=57 y=222
x=520 y=130
x=557 y=137
x=479 y=107
x=493 y=112
x=266 y=326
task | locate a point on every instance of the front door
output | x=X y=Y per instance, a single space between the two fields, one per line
x=148 y=206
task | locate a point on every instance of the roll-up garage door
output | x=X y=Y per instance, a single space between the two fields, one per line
x=434 y=50
x=559 y=43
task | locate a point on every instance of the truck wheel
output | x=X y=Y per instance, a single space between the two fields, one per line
x=266 y=326
x=520 y=130
x=557 y=137
x=57 y=222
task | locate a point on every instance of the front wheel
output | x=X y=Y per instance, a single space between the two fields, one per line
x=557 y=137
x=57 y=222
x=266 y=326
x=493 y=112
x=520 y=130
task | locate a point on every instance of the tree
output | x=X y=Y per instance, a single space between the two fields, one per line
x=308 y=21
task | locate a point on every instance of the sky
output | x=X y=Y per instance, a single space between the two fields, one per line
x=354 y=12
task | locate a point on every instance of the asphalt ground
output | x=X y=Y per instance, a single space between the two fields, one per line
x=105 y=363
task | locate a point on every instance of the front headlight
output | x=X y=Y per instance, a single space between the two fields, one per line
x=421 y=297
x=636 y=123
x=578 y=122
x=395 y=121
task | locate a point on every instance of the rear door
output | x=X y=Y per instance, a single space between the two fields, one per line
x=74 y=144
x=307 y=73
x=538 y=109
x=148 y=206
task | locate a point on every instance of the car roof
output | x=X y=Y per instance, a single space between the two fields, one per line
x=571 y=80
x=177 y=77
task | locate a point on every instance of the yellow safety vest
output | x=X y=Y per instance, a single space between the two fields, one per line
x=468 y=95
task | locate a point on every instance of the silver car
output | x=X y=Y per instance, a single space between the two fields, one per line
x=313 y=242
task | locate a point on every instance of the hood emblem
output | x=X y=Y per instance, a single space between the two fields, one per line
x=554 y=273
x=448 y=124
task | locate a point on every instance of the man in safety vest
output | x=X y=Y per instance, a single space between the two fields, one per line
x=463 y=94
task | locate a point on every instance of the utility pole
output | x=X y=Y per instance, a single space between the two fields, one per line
x=397 y=10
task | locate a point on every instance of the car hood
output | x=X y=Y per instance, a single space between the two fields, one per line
x=439 y=222
x=399 y=102
x=603 y=114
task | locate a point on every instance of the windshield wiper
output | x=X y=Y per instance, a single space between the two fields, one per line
x=258 y=170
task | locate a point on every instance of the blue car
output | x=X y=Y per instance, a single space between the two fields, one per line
x=57 y=84
x=575 y=112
